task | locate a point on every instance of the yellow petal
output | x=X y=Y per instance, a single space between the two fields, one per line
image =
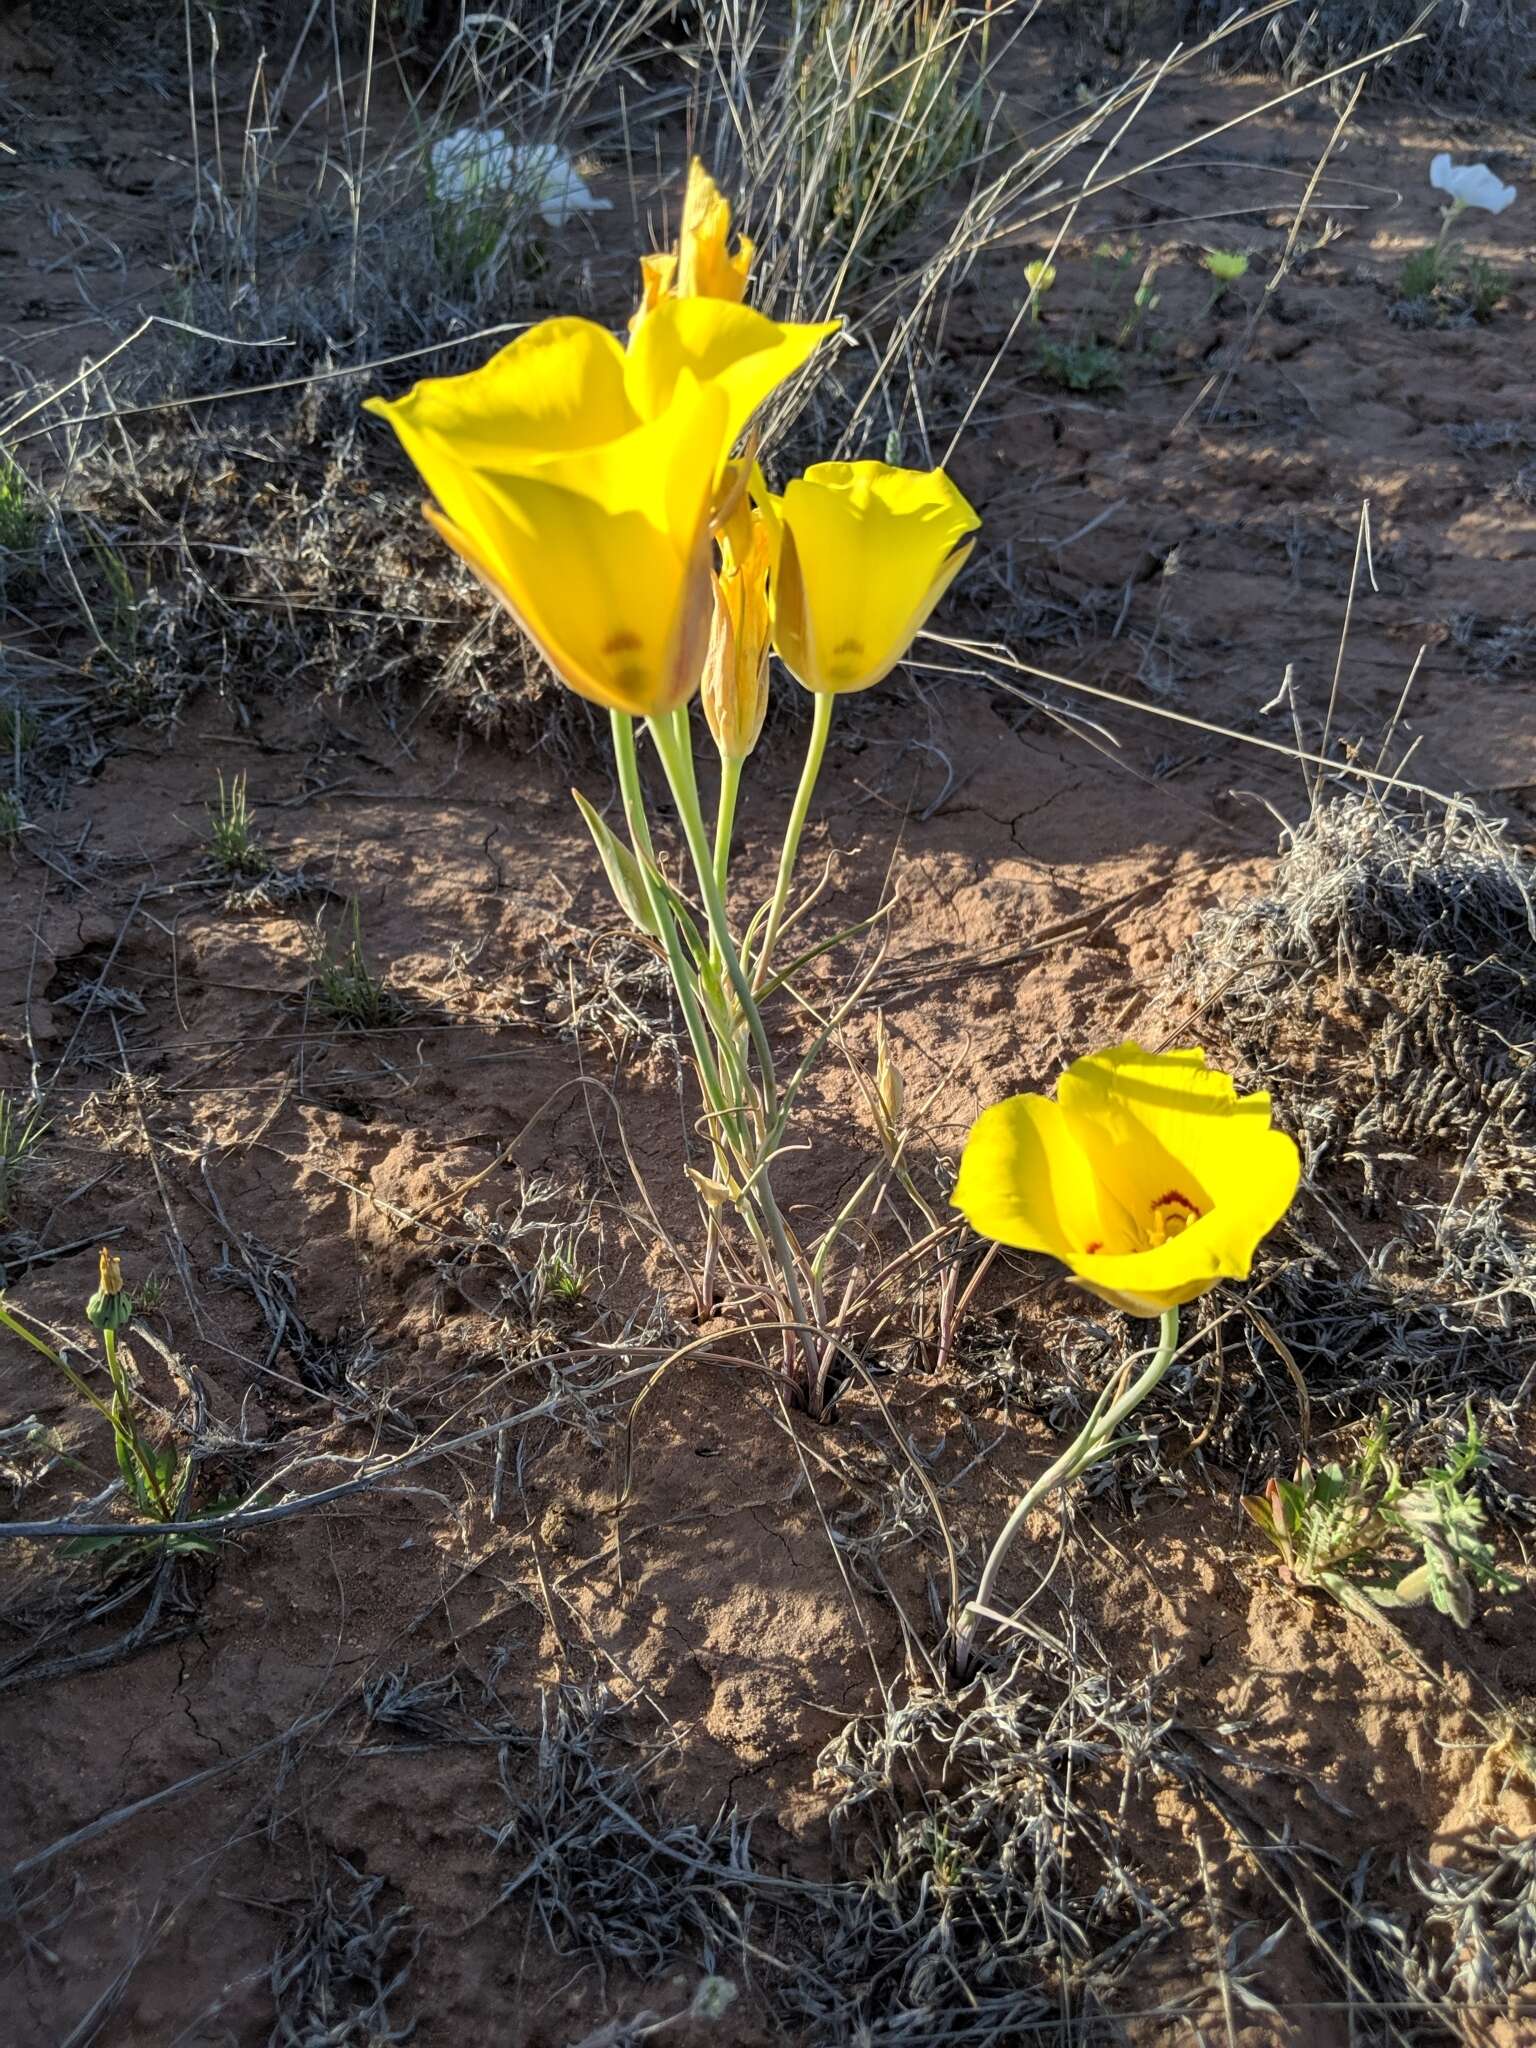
x=705 y=266
x=656 y=279
x=866 y=553
x=604 y=559
x=1219 y=1246
x=557 y=389
x=1158 y=1120
x=702 y=265
x=1024 y=1181
x=745 y=354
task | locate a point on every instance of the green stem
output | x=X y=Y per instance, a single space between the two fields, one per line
x=54 y=1358
x=1090 y=1444
x=821 y=724
x=674 y=744
x=725 y=818
x=682 y=974
x=124 y=1437
x=128 y=1441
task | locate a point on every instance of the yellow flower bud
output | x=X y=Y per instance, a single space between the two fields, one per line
x=734 y=686
x=702 y=265
x=864 y=552
x=890 y=1089
x=110 y=1308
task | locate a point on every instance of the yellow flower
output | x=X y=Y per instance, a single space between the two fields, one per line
x=1149 y=1176
x=734 y=691
x=578 y=479
x=701 y=266
x=865 y=552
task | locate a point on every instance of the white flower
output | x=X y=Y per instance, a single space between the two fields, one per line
x=479 y=163
x=1470 y=185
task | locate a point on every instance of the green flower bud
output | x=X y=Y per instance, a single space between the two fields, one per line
x=109 y=1308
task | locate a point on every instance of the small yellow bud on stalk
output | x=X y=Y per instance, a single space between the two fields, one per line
x=890 y=1089
x=110 y=1308
x=734 y=685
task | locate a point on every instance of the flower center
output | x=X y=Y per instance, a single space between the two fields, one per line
x=1171 y=1214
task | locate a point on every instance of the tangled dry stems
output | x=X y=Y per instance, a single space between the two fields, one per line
x=1479 y=54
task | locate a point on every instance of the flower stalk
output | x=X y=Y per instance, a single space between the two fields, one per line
x=815 y=753
x=606 y=491
x=1094 y=1441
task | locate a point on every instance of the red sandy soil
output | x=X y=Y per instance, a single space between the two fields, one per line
x=1223 y=533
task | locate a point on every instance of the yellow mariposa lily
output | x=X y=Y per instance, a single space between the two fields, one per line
x=578 y=479
x=1148 y=1175
x=734 y=690
x=865 y=552
x=702 y=265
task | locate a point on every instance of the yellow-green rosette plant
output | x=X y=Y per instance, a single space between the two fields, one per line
x=1152 y=1180
x=596 y=489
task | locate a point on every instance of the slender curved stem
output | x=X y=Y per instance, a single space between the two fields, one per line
x=725 y=819
x=1086 y=1449
x=821 y=725
x=55 y=1358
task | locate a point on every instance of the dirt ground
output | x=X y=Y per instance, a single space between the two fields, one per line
x=200 y=1753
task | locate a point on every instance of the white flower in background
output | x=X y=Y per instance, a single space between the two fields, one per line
x=480 y=163
x=1470 y=185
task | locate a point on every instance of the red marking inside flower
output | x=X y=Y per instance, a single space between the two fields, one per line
x=1096 y=1246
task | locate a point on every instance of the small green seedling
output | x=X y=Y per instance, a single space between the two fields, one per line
x=233 y=847
x=348 y=989
x=563 y=1282
x=1081 y=366
x=21 y=1132
x=12 y=819
x=1093 y=358
x=1335 y=1529
x=155 y=1477
x=20 y=522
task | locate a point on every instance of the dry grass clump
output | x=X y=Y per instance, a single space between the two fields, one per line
x=1484 y=52
x=279 y=578
x=590 y=1850
x=341 y=1964
x=979 y=1838
x=1386 y=986
x=996 y=1896
x=1406 y=942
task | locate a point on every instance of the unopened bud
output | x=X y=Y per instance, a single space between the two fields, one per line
x=890 y=1089
x=715 y=1192
x=109 y=1308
